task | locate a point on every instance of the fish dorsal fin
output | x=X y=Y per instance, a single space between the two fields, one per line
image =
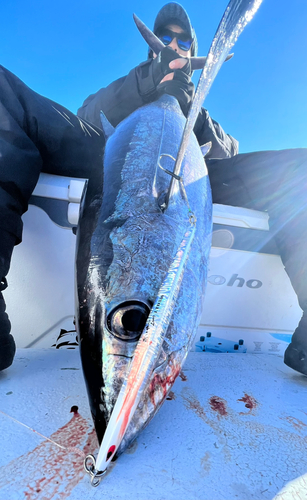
x=205 y=148
x=156 y=45
x=107 y=128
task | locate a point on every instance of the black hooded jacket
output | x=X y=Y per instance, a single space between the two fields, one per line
x=119 y=99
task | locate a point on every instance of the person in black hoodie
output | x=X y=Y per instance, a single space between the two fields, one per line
x=39 y=135
x=151 y=78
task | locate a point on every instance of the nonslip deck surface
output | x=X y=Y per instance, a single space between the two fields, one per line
x=233 y=427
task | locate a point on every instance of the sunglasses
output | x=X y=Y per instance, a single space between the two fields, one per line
x=184 y=41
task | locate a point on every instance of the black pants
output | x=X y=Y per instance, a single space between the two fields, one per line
x=38 y=135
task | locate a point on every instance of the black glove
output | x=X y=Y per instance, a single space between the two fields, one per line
x=150 y=73
x=180 y=87
x=160 y=65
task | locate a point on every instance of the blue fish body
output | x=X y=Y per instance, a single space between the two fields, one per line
x=127 y=242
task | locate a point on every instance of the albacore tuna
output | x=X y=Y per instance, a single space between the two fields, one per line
x=141 y=270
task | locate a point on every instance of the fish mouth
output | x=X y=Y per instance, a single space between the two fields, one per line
x=128 y=319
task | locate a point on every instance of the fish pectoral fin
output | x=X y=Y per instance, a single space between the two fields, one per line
x=107 y=128
x=199 y=62
x=205 y=148
x=156 y=45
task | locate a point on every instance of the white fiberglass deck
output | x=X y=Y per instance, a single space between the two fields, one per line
x=234 y=427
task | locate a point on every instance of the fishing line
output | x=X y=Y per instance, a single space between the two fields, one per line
x=69 y=449
x=192 y=218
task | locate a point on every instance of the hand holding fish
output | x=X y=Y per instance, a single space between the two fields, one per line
x=175 y=64
x=176 y=83
x=156 y=76
x=165 y=61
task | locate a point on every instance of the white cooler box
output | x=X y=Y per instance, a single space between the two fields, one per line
x=40 y=295
x=249 y=306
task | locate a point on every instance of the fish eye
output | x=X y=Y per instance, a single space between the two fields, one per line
x=128 y=319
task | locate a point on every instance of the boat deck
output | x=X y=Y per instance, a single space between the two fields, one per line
x=233 y=427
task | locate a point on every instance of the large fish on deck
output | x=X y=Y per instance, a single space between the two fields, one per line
x=142 y=268
x=142 y=255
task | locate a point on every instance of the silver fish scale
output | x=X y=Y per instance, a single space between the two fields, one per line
x=134 y=244
x=145 y=249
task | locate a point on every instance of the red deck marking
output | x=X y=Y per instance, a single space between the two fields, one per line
x=219 y=405
x=49 y=470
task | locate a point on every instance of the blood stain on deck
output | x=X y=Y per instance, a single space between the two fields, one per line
x=205 y=463
x=183 y=377
x=219 y=405
x=55 y=466
x=297 y=424
x=191 y=403
x=250 y=403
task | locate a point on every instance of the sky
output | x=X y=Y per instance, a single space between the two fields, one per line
x=66 y=50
